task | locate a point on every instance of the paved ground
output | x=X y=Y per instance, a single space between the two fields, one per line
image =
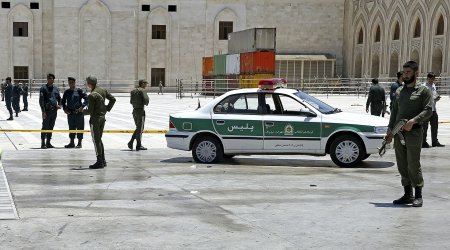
x=160 y=199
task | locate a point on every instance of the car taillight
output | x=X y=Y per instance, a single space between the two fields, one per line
x=171 y=125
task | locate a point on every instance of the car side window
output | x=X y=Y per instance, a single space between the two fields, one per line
x=238 y=104
x=283 y=105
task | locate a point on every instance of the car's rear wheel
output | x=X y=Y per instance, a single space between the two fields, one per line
x=207 y=149
x=347 y=151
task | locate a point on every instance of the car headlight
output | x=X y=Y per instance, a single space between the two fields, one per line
x=380 y=130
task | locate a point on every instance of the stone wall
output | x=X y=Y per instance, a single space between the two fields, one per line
x=112 y=39
x=415 y=21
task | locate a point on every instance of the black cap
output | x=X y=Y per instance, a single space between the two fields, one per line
x=431 y=75
x=71 y=79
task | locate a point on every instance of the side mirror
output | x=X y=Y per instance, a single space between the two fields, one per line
x=307 y=112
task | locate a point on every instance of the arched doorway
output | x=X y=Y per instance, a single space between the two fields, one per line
x=358 y=66
x=415 y=57
x=375 y=72
x=436 y=65
x=393 y=65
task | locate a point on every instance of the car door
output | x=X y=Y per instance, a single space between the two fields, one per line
x=237 y=120
x=288 y=128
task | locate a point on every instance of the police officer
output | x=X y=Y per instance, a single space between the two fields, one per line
x=393 y=88
x=8 y=97
x=73 y=106
x=17 y=92
x=434 y=120
x=97 y=110
x=376 y=99
x=50 y=102
x=25 y=96
x=413 y=103
x=138 y=98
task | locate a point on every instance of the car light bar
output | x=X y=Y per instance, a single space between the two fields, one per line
x=271 y=84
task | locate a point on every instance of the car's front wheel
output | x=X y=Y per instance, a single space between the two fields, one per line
x=347 y=151
x=207 y=149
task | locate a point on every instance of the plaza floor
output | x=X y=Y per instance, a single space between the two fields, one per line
x=161 y=199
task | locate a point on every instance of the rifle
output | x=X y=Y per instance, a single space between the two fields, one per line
x=396 y=130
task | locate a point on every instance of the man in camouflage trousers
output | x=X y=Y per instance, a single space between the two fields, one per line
x=97 y=110
x=413 y=103
x=139 y=99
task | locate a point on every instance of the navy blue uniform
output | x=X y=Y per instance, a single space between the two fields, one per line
x=16 y=93
x=25 y=97
x=72 y=101
x=8 y=99
x=49 y=100
x=392 y=93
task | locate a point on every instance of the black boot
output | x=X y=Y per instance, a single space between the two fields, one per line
x=10 y=118
x=79 y=143
x=130 y=144
x=407 y=198
x=48 y=144
x=71 y=144
x=43 y=146
x=98 y=164
x=418 y=201
x=104 y=161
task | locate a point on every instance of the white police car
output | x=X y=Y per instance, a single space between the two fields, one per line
x=273 y=120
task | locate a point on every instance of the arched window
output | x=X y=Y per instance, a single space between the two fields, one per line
x=378 y=34
x=396 y=32
x=361 y=36
x=417 y=29
x=440 y=26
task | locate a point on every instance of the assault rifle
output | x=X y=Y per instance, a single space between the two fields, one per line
x=396 y=130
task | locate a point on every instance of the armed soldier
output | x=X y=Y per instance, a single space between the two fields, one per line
x=97 y=110
x=139 y=99
x=73 y=106
x=50 y=102
x=8 y=97
x=413 y=103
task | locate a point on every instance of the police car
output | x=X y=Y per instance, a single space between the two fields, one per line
x=272 y=119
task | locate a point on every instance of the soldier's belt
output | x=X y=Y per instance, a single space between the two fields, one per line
x=110 y=131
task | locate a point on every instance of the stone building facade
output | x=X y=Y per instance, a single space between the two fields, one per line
x=383 y=34
x=121 y=41
x=115 y=40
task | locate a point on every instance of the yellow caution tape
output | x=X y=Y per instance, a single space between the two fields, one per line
x=444 y=122
x=112 y=131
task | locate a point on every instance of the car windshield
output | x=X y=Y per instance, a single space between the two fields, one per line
x=317 y=104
